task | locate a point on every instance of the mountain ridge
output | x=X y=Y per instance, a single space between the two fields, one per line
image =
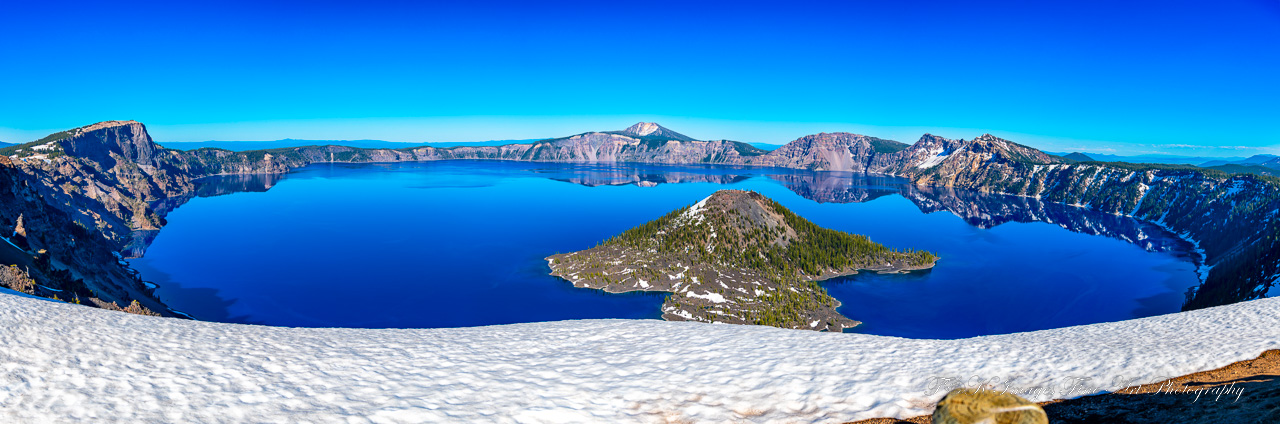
x=116 y=181
x=249 y=145
x=1251 y=160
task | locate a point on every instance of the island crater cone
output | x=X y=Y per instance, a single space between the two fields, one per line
x=735 y=257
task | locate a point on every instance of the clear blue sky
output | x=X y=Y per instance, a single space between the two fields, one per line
x=1105 y=76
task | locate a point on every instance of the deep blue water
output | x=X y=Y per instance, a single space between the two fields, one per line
x=461 y=243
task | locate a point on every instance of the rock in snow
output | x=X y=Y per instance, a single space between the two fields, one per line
x=980 y=405
x=66 y=363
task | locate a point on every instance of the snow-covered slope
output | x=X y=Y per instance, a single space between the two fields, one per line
x=64 y=363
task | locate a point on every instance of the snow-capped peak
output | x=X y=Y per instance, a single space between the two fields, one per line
x=643 y=128
x=652 y=129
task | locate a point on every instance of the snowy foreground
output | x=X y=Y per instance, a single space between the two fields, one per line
x=69 y=363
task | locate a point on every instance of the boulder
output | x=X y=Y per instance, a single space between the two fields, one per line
x=972 y=406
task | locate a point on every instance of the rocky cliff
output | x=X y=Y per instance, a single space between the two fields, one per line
x=983 y=210
x=831 y=152
x=1231 y=218
x=51 y=247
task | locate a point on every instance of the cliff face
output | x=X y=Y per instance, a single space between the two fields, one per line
x=110 y=176
x=56 y=254
x=982 y=210
x=828 y=152
x=612 y=147
x=935 y=160
x=1232 y=219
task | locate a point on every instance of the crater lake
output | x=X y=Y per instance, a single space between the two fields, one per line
x=462 y=243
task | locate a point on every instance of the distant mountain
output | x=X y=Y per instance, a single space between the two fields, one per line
x=1262 y=159
x=1232 y=168
x=1263 y=164
x=3 y=144
x=1164 y=159
x=242 y=146
x=448 y=144
x=1078 y=157
x=653 y=130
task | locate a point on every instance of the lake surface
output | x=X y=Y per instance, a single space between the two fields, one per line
x=461 y=243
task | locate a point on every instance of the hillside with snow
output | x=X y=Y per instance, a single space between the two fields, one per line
x=67 y=363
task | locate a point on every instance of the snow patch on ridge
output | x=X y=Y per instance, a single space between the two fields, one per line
x=694 y=213
x=939 y=154
x=712 y=297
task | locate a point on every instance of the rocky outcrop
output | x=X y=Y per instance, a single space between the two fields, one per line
x=19 y=230
x=983 y=405
x=60 y=252
x=831 y=152
x=934 y=160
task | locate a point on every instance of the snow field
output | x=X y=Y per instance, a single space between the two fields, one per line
x=67 y=363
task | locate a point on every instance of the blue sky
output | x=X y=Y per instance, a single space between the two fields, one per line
x=1175 y=77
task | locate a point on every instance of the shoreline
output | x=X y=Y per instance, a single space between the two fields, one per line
x=818 y=279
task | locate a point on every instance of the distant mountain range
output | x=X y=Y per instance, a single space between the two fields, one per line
x=1266 y=165
x=1257 y=164
x=1164 y=159
x=1266 y=160
x=242 y=146
x=1267 y=170
x=3 y=144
